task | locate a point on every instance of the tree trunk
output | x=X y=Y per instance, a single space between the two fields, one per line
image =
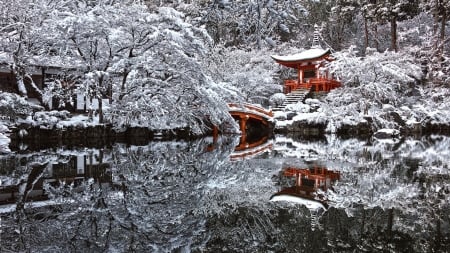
x=258 y=39
x=442 y=33
x=366 y=34
x=436 y=26
x=394 y=34
x=375 y=30
x=100 y=110
x=123 y=86
x=100 y=100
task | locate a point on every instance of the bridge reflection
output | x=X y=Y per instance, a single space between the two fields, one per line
x=250 y=148
x=304 y=186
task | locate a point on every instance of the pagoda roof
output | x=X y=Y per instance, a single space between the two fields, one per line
x=311 y=204
x=308 y=55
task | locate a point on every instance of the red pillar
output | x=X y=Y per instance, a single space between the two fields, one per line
x=243 y=124
x=215 y=133
x=243 y=127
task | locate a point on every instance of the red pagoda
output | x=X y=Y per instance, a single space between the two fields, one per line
x=311 y=68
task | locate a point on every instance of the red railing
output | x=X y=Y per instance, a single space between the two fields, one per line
x=252 y=108
x=319 y=84
x=312 y=173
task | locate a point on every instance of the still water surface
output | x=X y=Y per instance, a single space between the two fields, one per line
x=272 y=195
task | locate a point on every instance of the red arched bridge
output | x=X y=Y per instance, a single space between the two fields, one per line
x=245 y=112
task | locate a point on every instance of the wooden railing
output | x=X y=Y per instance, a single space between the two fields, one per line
x=318 y=84
x=312 y=173
x=251 y=107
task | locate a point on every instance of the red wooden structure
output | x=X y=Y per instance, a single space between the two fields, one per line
x=311 y=71
x=246 y=111
x=307 y=182
x=248 y=150
x=322 y=177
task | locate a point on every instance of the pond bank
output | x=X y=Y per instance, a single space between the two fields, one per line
x=361 y=130
x=99 y=136
x=93 y=136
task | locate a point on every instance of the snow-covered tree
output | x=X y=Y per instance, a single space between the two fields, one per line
x=82 y=33
x=376 y=85
x=146 y=62
x=163 y=84
x=386 y=11
x=17 y=38
x=252 y=24
x=437 y=53
x=249 y=76
x=343 y=17
x=440 y=10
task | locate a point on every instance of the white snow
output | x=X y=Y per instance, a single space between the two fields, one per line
x=310 y=118
x=310 y=204
x=305 y=55
x=390 y=132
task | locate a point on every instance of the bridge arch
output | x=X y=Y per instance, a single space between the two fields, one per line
x=245 y=112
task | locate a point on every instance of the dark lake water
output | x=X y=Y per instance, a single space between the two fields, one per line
x=285 y=194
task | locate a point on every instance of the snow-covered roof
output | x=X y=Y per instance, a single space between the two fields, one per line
x=310 y=54
x=310 y=204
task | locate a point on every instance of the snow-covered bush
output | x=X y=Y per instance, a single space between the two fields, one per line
x=384 y=71
x=13 y=107
x=277 y=99
x=49 y=118
x=384 y=86
x=299 y=107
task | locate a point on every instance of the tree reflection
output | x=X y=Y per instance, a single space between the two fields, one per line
x=181 y=196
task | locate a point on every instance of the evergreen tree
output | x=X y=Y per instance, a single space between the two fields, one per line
x=387 y=11
x=437 y=57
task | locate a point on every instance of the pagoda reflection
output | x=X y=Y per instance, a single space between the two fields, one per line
x=303 y=186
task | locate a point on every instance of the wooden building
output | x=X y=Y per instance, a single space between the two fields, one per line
x=311 y=70
x=42 y=76
x=312 y=73
x=73 y=169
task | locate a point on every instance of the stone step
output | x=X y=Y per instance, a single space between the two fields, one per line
x=292 y=98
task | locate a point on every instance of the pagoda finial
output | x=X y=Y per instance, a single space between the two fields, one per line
x=316 y=37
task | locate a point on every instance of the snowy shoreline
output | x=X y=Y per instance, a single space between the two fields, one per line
x=101 y=134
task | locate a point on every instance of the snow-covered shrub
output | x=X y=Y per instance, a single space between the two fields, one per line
x=378 y=85
x=49 y=118
x=277 y=99
x=13 y=106
x=299 y=107
x=385 y=71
